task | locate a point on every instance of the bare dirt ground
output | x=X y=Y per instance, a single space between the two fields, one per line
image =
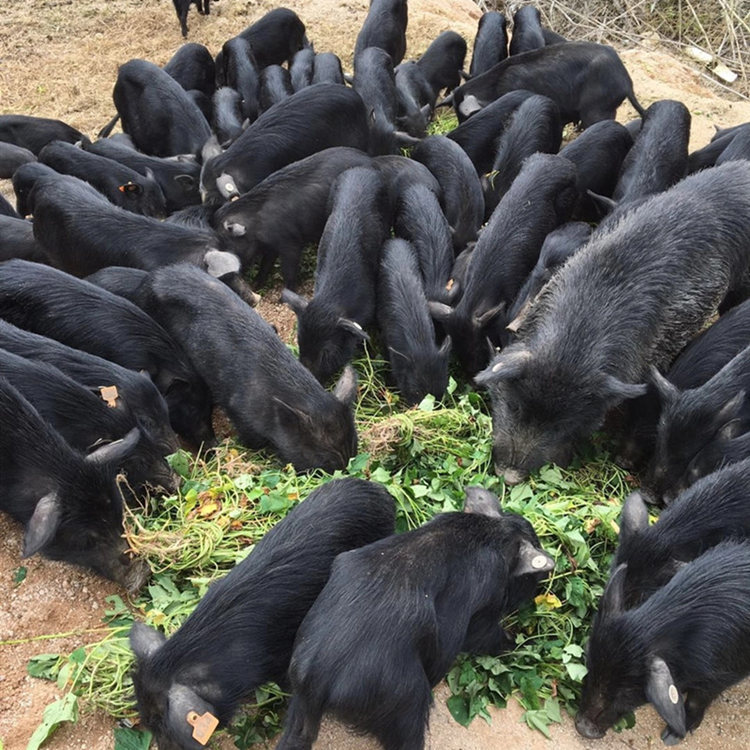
x=59 y=58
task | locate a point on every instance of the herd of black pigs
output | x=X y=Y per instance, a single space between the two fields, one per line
x=575 y=285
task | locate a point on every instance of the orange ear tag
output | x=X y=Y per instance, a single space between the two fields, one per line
x=203 y=726
x=110 y=395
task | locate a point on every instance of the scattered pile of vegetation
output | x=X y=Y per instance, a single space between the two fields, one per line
x=424 y=456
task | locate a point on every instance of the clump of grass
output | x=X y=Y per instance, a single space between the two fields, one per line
x=424 y=456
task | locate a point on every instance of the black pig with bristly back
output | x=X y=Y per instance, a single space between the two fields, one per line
x=241 y=633
x=678 y=651
x=394 y=615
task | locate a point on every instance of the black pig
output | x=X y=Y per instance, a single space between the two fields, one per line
x=69 y=504
x=598 y=154
x=462 y=198
x=313 y=119
x=417 y=364
x=528 y=34
x=82 y=232
x=267 y=394
x=34 y=133
x=374 y=81
x=52 y=303
x=301 y=69
x=385 y=27
x=442 y=62
x=490 y=43
x=11 y=158
x=539 y=200
x=409 y=604
x=327 y=69
x=697 y=363
x=534 y=128
x=714 y=509
x=136 y=396
x=275 y=86
x=285 y=212
x=156 y=112
x=587 y=81
x=659 y=156
x=479 y=134
x=558 y=246
x=241 y=633
x=693 y=419
x=678 y=651
x=240 y=71
x=333 y=322
x=192 y=66
x=86 y=421
x=663 y=268
x=420 y=220
x=178 y=177
x=121 y=185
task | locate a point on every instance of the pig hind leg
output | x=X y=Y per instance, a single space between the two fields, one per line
x=301 y=726
x=404 y=726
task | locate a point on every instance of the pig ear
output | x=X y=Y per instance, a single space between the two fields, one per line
x=353 y=327
x=668 y=392
x=532 y=559
x=618 y=390
x=483 y=320
x=116 y=450
x=42 y=525
x=220 y=263
x=634 y=516
x=728 y=415
x=226 y=186
x=482 y=501
x=612 y=602
x=440 y=311
x=185 y=707
x=345 y=390
x=664 y=696
x=185 y=180
x=510 y=365
x=294 y=301
x=211 y=148
x=446 y=347
x=145 y=641
x=131 y=188
x=235 y=228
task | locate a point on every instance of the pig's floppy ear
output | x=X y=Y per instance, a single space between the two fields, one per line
x=345 y=390
x=612 y=602
x=668 y=391
x=190 y=718
x=42 y=525
x=532 y=559
x=510 y=365
x=617 y=390
x=145 y=641
x=482 y=501
x=294 y=301
x=353 y=327
x=634 y=517
x=664 y=696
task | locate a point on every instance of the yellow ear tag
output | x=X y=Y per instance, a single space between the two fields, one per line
x=110 y=395
x=203 y=726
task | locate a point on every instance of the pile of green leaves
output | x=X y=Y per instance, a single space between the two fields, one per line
x=424 y=456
